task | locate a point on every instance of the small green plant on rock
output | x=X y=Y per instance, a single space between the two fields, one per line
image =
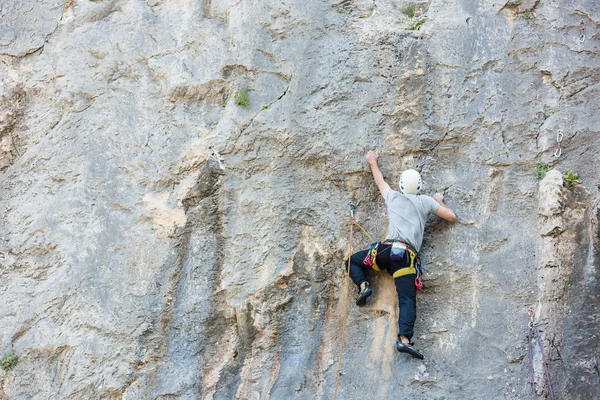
x=265 y=107
x=415 y=23
x=572 y=178
x=9 y=361
x=409 y=10
x=541 y=169
x=527 y=14
x=241 y=98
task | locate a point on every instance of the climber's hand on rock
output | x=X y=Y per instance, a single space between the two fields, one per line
x=372 y=157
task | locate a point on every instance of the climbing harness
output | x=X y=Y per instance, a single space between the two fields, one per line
x=559 y=138
x=533 y=331
x=582 y=30
x=415 y=263
x=414 y=266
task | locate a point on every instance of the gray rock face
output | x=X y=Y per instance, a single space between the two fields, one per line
x=159 y=240
x=26 y=25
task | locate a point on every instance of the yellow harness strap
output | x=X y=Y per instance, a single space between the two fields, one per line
x=374 y=255
x=404 y=271
x=410 y=269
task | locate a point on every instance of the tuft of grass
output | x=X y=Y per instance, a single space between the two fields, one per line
x=9 y=361
x=409 y=10
x=265 y=107
x=541 y=169
x=415 y=23
x=572 y=178
x=241 y=98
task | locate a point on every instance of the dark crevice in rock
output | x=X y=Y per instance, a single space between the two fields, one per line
x=161 y=342
x=25 y=54
x=230 y=376
x=223 y=332
x=12 y=111
x=248 y=125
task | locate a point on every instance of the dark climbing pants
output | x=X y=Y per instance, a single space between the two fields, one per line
x=405 y=285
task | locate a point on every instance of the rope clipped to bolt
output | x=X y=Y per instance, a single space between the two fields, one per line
x=351 y=209
x=533 y=331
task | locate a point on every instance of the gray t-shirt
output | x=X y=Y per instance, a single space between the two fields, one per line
x=407 y=214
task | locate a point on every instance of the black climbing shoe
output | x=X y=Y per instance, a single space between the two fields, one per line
x=363 y=294
x=407 y=348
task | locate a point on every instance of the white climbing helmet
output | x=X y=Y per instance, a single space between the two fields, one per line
x=410 y=182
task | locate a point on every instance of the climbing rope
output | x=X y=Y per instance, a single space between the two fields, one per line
x=351 y=208
x=366 y=233
x=582 y=30
x=559 y=138
x=533 y=331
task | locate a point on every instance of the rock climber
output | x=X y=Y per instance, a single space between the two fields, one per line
x=398 y=254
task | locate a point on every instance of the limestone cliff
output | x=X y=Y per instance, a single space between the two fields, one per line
x=174 y=176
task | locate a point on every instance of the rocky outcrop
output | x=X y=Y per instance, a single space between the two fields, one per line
x=569 y=294
x=161 y=237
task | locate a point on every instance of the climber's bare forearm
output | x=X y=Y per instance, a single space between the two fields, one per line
x=444 y=211
x=378 y=176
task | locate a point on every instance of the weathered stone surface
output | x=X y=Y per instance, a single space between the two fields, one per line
x=26 y=25
x=159 y=241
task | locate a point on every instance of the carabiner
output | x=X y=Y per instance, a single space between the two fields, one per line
x=559 y=137
x=558 y=151
x=351 y=208
x=419 y=283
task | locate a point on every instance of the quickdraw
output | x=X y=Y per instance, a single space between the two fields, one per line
x=351 y=209
x=582 y=30
x=533 y=331
x=559 y=138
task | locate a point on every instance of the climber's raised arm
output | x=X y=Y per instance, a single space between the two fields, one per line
x=381 y=184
